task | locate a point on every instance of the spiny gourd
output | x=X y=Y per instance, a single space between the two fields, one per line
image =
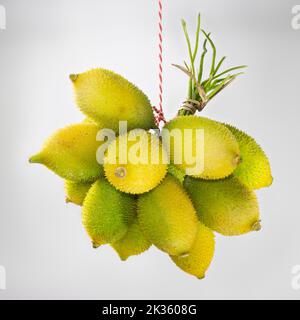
x=108 y=98
x=135 y=162
x=173 y=207
x=254 y=170
x=201 y=253
x=168 y=218
x=76 y=191
x=133 y=243
x=217 y=154
x=107 y=213
x=71 y=153
x=226 y=206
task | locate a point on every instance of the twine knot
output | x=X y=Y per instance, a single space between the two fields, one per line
x=192 y=106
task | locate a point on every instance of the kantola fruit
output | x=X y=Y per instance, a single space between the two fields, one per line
x=254 y=170
x=71 y=153
x=108 y=98
x=168 y=218
x=76 y=191
x=200 y=256
x=226 y=206
x=135 y=162
x=218 y=154
x=107 y=213
x=131 y=195
x=133 y=243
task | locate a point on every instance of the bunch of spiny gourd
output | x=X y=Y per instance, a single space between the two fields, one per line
x=136 y=203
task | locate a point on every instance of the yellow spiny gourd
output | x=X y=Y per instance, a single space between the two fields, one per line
x=135 y=162
x=217 y=153
x=71 y=153
x=200 y=256
x=108 y=98
x=168 y=218
x=254 y=170
x=133 y=243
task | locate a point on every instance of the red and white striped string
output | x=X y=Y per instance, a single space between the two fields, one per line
x=159 y=111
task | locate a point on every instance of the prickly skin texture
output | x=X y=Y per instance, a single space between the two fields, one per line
x=133 y=243
x=201 y=254
x=107 y=213
x=71 y=153
x=90 y=121
x=140 y=176
x=254 y=170
x=221 y=150
x=168 y=218
x=226 y=206
x=176 y=172
x=108 y=98
x=76 y=191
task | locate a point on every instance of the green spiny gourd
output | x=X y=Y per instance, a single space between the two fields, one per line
x=107 y=213
x=226 y=206
x=168 y=218
x=76 y=191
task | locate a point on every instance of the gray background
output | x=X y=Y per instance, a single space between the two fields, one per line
x=43 y=246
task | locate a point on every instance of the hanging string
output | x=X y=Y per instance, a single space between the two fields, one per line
x=159 y=111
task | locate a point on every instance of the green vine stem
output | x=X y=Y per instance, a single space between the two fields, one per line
x=200 y=91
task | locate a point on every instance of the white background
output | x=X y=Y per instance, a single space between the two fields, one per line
x=43 y=246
